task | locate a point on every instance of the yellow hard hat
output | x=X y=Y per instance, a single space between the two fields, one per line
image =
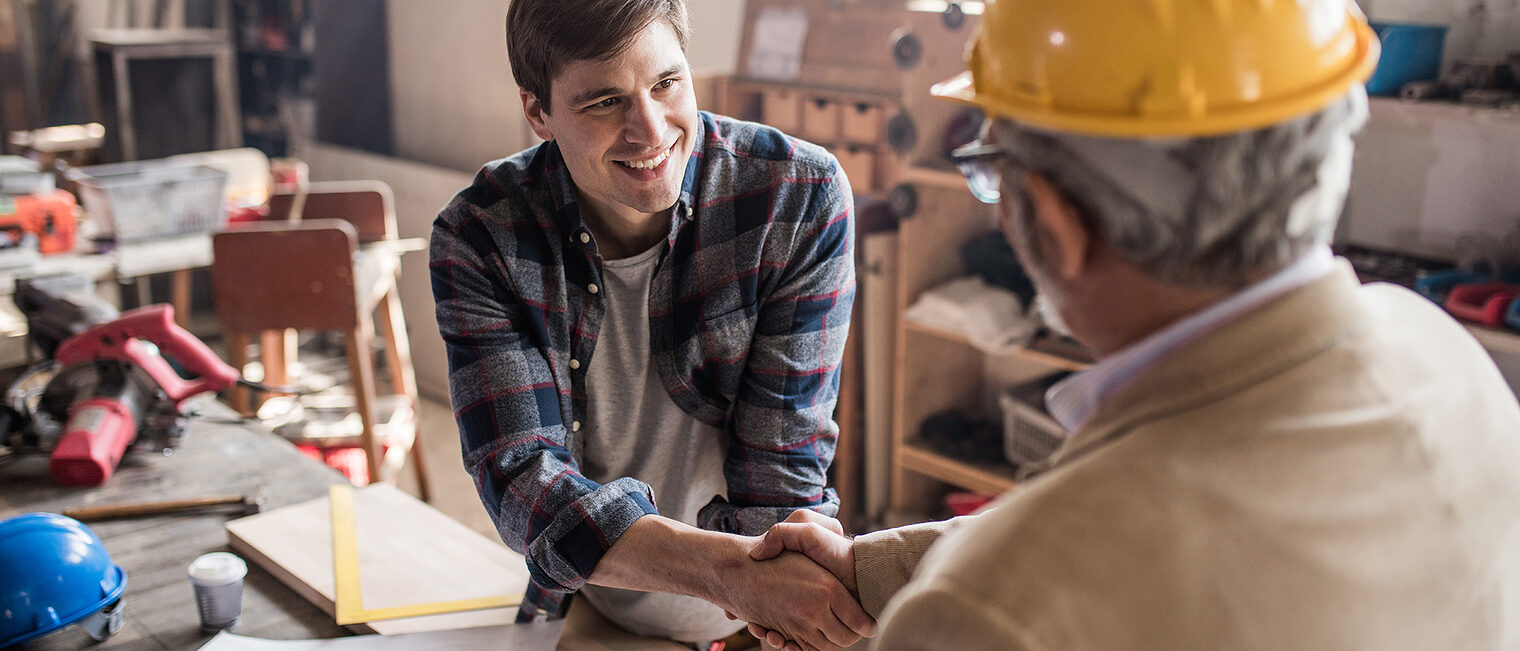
x=1163 y=67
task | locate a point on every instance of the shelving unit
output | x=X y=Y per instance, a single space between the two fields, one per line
x=275 y=52
x=850 y=123
x=937 y=370
x=990 y=478
x=844 y=93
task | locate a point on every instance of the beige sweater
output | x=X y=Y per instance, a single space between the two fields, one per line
x=1337 y=470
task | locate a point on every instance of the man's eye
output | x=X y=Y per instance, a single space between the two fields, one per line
x=606 y=103
x=665 y=83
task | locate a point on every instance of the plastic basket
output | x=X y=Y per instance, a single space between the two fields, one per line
x=1029 y=433
x=152 y=199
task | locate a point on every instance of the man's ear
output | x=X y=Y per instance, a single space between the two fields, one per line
x=537 y=116
x=1058 y=228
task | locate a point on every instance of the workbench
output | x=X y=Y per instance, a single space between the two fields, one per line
x=223 y=456
x=179 y=255
x=218 y=456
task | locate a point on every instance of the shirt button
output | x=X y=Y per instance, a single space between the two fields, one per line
x=575 y=364
x=585 y=238
x=592 y=288
x=688 y=210
x=575 y=426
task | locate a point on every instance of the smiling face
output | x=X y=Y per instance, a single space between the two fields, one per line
x=625 y=125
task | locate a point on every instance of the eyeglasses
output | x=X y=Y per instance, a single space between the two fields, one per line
x=981 y=163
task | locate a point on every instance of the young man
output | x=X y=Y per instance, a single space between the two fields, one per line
x=1268 y=454
x=644 y=318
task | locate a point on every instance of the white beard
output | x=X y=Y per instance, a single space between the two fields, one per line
x=1046 y=310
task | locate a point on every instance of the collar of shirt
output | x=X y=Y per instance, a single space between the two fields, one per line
x=1073 y=401
x=563 y=186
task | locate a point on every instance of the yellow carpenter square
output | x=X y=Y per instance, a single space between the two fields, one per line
x=348 y=600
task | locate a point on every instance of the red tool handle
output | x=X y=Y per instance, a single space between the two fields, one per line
x=1481 y=302
x=155 y=323
x=96 y=435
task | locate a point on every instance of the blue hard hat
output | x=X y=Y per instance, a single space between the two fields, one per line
x=55 y=572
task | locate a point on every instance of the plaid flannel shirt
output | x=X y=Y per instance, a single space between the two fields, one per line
x=749 y=308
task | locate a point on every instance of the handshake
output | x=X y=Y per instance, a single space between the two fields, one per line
x=804 y=595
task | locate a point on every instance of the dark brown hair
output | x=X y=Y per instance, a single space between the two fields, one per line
x=544 y=36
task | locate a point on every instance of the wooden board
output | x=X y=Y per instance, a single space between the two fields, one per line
x=878 y=336
x=409 y=554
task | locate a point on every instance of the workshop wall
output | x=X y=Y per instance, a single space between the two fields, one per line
x=453 y=98
x=1481 y=28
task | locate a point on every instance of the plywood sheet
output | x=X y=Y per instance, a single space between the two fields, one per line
x=409 y=554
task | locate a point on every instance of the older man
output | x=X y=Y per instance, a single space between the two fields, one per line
x=1268 y=454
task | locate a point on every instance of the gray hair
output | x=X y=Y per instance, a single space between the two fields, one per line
x=1210 y=211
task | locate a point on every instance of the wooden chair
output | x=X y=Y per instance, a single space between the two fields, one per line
x=330 y=264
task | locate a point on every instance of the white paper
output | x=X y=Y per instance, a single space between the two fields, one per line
x=991 y=317
x=776 y=44
x=526 y=637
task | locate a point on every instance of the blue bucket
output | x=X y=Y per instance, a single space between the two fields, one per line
x=1411 y=52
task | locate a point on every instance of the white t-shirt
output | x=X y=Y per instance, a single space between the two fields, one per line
x=635 y=430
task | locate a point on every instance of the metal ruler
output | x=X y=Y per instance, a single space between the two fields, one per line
x=348 y=600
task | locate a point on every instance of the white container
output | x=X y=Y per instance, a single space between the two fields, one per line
x=218 y=581
x=1029 y=433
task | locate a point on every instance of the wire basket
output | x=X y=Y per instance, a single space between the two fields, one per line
x=1029 y=433
x=152 y=199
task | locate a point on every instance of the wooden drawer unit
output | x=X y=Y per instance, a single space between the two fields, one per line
x=862 y=123
x=820 y=119
x=859 y=163
x=781 y=107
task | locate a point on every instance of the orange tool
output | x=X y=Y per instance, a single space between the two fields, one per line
x=52 y=216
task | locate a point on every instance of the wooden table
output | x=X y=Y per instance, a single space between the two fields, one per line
x=220 y=456
x=217 y=457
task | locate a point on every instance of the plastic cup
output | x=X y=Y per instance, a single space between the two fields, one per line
x=218 y=581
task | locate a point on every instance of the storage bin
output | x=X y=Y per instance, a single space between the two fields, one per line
x=859 y=165
x=1411 y=52
x=820 y=120
x=152 y=199
x=1029 y=433
x=782 y=109
x=862 y=123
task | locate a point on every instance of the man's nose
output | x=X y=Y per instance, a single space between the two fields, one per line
x=644 y=124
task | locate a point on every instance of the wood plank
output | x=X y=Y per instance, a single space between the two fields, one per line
x=988 y=479
x=878 y=334
x=409 y=554
x=847 y=413
x=1041 y=357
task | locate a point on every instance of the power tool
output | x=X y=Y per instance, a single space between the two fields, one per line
x=108 y=388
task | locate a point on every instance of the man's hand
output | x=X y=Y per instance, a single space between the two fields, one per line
x=820 y=538
x=798 y=600
x=790 y=594
x=816 y=536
